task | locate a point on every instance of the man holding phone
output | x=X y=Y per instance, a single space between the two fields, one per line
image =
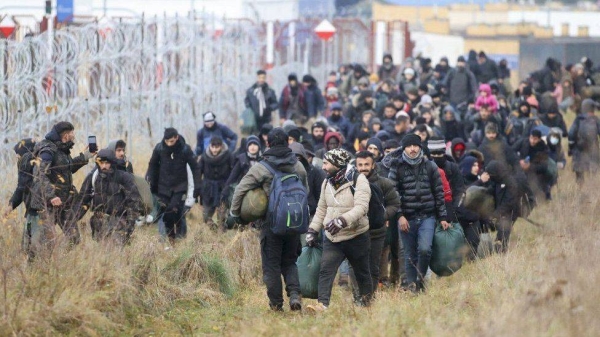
x=53 y=193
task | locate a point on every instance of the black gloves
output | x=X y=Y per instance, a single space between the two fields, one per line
x=197 y=192
x=311 y=238
x=336 y=225
x=234 y=220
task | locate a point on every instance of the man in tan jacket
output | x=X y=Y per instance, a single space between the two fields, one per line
x=343 y=215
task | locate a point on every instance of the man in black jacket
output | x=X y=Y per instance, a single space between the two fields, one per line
x=214 y=167
x=168 y=178
x=278 y=253
x=54 y=195
x=261 y=99
x=365 y=163
x=420 y=187
x=114 y=199
x=505 y=191
x=533 y=154
x=22 y=193
x=315 y=176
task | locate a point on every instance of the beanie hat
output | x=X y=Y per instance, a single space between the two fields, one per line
x=319 y=125
x=375 y=120
x=332 y=134
x=288 y=125
x=338 y=157
x=436 y=145
x=298 y=149
x=491 y=128
x=536 y=133
x=308 y=147
x=411 y=139
x=336 y=106
x=61 y=127
x=391 y=144
x=106 y=155
x=265 y=129
x=252 y=140
x=277 y=137
x=377 y=142
x=424 y=87
x=467 y=164
x=292 y=77
x=461 y=59
x=209 y=117
x=383 y=135
x=170 y=133
x=24 y=146
x=295 y=133
x=426 y=99
x=588 y=105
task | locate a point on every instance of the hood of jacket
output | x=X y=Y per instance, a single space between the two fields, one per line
x=486 y=88
x=280 y=157
x=224 y=151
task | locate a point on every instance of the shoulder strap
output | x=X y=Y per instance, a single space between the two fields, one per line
x=94 y=176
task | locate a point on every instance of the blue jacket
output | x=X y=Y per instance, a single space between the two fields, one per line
x=314 y=100
x=218 y=130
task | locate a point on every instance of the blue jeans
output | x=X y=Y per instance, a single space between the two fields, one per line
x=417 y=247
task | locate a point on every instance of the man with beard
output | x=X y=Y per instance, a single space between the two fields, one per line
x=118 y=147
x=318 y=135
x=292 y=103
x=54 y=195
x=113 y=197
x=261 y=99
x=339 y=122
x=387 y=70
x=278 y=252
x=213 y=129
x=214 y=168
x=342 y=213
x=422 y=195
x=461 y=84
x=168 y=178
x=365 y=164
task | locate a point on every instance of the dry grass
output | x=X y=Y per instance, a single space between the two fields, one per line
x=211 y=284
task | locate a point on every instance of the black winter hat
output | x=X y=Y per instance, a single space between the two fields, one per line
x=377 y=142
x=170 y=133
x=292 y=77
x=411 y=139
x=391 y=144
x=295 y=133
x=61 y=127
x=320 y=125
x=265 y=129
x=277 y=137
x=106 y=155
x=461 y=59
x=252 y=140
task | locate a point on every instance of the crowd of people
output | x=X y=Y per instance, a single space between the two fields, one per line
x=379 y=160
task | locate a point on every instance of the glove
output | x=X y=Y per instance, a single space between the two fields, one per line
x=311 y=238
x=233 y=220
x=336 y=225
x=139 y=221
x=87 y=154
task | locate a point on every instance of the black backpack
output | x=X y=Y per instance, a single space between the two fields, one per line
x=376 y=212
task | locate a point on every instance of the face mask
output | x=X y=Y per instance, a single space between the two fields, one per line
x=440 y=162
x=553 y=140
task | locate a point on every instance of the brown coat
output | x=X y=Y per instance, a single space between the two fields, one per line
x=341 y=202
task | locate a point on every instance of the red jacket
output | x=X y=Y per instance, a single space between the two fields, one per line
x=446 y=185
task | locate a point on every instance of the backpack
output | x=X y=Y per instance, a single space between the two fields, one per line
x=288 y=211
x=376 y=213
x=586 y=133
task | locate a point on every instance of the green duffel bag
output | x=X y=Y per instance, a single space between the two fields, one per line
x=448 y=250
x=309 y=266
x=144 y=189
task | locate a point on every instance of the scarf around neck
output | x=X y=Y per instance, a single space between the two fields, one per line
x=260 y=96
x=413 y=161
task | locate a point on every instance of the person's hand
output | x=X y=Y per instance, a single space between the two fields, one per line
x=281 y=121
x=387 y=224
x=560 y=165
x=56 y=201
x=233 y=220
x=524 y=165
x=445 y=225
x=485 y=177
x=336 y=225
x=311 y=238
x=403 y=224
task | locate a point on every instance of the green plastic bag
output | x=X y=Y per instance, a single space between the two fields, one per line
x=448 y=250
x=248 y=122
x=309 y=266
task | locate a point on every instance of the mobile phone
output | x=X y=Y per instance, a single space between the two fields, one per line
x=93 y=146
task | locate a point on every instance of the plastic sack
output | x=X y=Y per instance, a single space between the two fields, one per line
x=448 y=250
x=309 y=266
x=248 y=122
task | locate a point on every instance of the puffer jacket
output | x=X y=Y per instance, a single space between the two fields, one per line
x=113 y=193
x=167 y=170
x=341 y=202
x=421 y=190
x=53 y=176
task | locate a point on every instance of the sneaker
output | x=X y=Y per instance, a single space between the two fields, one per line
x=319 y=307
x=295 y=303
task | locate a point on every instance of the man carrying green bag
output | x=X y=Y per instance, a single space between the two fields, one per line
x=448 y=250
x=309 y=265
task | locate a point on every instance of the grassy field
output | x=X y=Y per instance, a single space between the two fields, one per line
x=211 y=284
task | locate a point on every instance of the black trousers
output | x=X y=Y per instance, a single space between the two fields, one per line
x=356 y=250
x=172 y=210
x=279 y=254
x=377 y=238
